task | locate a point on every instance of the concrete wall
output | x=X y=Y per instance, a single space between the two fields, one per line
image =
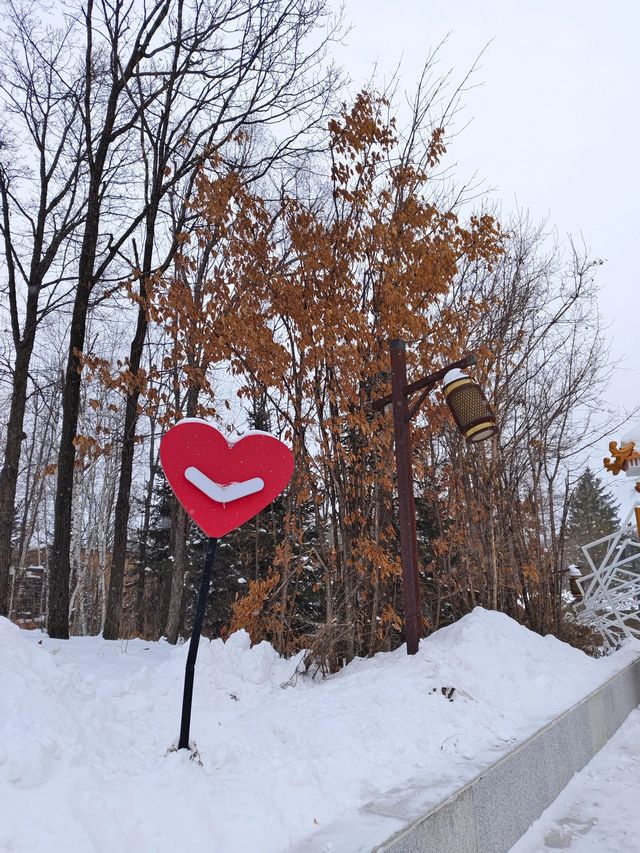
x=490 y=813
x=498 y=806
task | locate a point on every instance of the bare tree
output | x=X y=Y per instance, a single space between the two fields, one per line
x=166 y=85
x=543 y=359
x=42 y=205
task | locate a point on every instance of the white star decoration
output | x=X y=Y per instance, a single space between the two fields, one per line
x=611 y=590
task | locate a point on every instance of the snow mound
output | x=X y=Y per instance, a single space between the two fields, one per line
x=511 y=668
x=33 y=728
x=235 y=663
x=87 y=728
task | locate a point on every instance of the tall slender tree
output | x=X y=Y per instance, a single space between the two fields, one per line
x=42 y=206
x=182 y=79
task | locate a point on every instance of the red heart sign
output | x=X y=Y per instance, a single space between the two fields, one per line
x=222 y=484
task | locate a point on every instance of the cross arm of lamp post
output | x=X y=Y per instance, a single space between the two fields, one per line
x=426 y=385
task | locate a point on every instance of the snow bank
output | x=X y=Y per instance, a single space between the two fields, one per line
x=86 y=728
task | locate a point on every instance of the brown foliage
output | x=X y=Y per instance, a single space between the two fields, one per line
x=344 y=277
x=257 y=612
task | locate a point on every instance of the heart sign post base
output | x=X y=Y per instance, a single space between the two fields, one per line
x=205 y=583
x=220 y=484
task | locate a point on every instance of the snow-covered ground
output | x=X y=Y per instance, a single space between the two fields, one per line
x=87 y=729
x=599 y=809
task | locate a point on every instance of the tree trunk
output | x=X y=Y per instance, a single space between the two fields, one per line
x=58 y=624
x=177 y=580
x=11 y=466
x=142 y=552
x=121 y=517
x=180 y=543
x=123 y=502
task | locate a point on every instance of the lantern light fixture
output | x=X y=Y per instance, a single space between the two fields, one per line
x=471 y=411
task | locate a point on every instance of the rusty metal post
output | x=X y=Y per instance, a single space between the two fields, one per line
x=403 y=412
x=406 y=505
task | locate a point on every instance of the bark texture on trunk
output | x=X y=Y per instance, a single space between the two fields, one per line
x=172 y=630
x=11 y=467
x=123 y=501
x=121 y=519
x=60 y=566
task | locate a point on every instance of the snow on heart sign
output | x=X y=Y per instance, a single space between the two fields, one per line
x=222 y=484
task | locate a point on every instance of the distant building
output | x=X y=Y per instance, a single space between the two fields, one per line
x=27 y=593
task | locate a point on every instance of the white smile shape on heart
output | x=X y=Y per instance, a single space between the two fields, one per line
x=222 y=494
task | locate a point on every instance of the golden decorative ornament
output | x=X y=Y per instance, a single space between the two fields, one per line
x=621 y=456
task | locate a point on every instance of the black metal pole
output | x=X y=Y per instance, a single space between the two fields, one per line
x=406 y=504
x=187 y=696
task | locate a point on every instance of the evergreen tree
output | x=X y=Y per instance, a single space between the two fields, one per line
x=593 y=514
x=158 y=560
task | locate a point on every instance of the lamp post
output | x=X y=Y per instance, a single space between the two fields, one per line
x=474 y=419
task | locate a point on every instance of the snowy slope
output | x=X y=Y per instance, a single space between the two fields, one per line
x=86 y=726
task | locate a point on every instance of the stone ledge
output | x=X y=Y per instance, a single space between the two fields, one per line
x=494 y=809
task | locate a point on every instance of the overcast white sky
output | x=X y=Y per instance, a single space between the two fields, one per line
x=553 y=128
